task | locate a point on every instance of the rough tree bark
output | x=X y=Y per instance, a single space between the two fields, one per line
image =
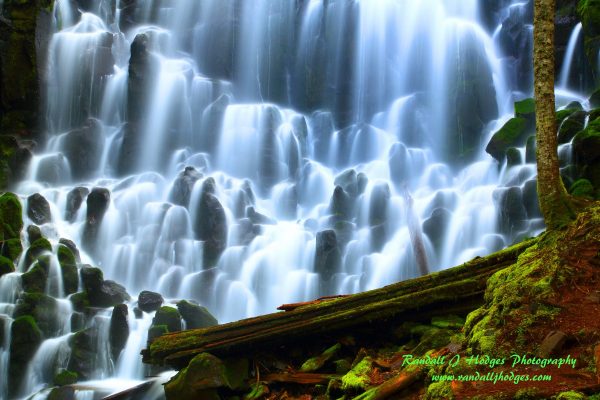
x=555 y=203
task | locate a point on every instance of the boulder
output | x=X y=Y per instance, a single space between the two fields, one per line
x=119 y=330
x=83 y=353
x=571 y=126
x=53 y=169
x=110 y=294
x=26 y=337
x=71 y=246
x=43 y=309
x=74 y=200
x=62 y=393
x=149 y=301
x=33 y=233
x=530 y=199
x=16 y=155
x=83 y=148
x=195 y=316
x=11 y=216
x=36 y=277
x=36 y=249
x=210 y=226
x=436 y=225
x=68 y=265
x=98 y=202
x=65 y=377
x=184 y=184
x=582 y=188
x=586 y=152
x=257 y=218
x=513 y=133
x=530 y=149
x=513 y=157
x=169 y=317
x=38 y=209
x=512 y=215
x=378 y=215
x=6 y=266
x=328 y=257
x=203 y=375
x=341 y=204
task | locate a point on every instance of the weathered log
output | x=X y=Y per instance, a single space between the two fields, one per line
x=293 y=306
x=454 y=290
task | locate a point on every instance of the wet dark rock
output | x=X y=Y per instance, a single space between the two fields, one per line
x=378 y=215
x=42 y=308
x=246 y=232
x=26 y=337
x=571 y=126
x=53 y=170
x=149 y=301
x=514 y=133
x=91 y=278
x=156 y=331
x=436 y=225
x=34 y=280
x=341 y=204
x=97 y=205
x=33 y=233
x=328 y=257
x=183 y=186
x=68 y=265
x=83 y=353
x=348 y=180
x=16 y=155
x=62 y=393
x=119 y=330
x=11 y=216
x=83 y=148
x=210 y=226
x=530 y=148
x=515 y=40
x=139 y=314
x=512 y=215
x=71 y=246
x=74 y=200
x=65 y=377
x=258 y=218
x=344 y=231
x=530 y=199
x=101 y=293
x=169 y=317
x=195 y=316
x=513 y=157
x=38 y=209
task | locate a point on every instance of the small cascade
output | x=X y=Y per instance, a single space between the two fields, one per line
x=50 y=358
x=567 y=65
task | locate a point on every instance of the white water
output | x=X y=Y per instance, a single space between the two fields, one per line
x=369 y=86
x=563 y=80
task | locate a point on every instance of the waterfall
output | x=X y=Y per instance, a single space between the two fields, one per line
x=258 y=153
x=565 y=71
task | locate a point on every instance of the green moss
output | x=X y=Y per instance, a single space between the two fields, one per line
x=26 y=338
x=513 y=133
x=80 y=301
x=448 y=322
x=6 y=266
x=65 y=377
x=316 y=363
x=439 y=390
x=571 y=395
x=11 y=217
x=68 y=265
x=582 y=188
x=525 y=108
x=42 y=308
x=36 y=249
x=358 y=378
x=34 y=280
x=168 y=316
x=562 y=114
x=156 y=331
x=259 y=391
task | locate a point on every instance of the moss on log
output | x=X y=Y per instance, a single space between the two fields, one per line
x=458 y=289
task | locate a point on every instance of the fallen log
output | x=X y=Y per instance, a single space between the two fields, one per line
x=293 y=306
x=300 y=378
x=456 y=290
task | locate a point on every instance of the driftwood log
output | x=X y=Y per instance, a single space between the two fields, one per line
x=455 y=290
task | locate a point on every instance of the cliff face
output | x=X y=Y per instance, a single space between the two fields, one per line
x=25 y=28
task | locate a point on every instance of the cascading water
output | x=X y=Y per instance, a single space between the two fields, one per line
x=265 y=153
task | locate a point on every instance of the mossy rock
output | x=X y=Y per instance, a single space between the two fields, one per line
x=12 y=249
x=34 y=280
x=42 y=308
x=513 y=157
x=206 y=372
x=571 y=395
x=358 y=378
x=34 y=233
x=168 y=316
x=196 y=316
x=582 y=188
x=11 y=216
x=586 y=144
x=80 y=301
x=513 y=133
x=62 y=393
x=26 y=338
x=36 y=249
x=156 y=331
x=83 y=353
x=562 y=114
x=68 y=266
x=571 y=126
x=6 y=266
x=65 y=377
x=525 y=109
x=448 y=322
x=530 y=149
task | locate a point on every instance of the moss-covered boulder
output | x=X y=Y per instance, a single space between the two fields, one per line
x=513 y=133
x=203 y=375
x=195 y=316
x=36 y=277
x=68 y=266
x=513 y=157
x=11 y=225
x=65 y=377
x=6 y=266
x=101 y=293
x=62 y=393
x=156 y=331
x=34 y=233
x=15 y=156
x=26 y=338
x=168 y=316
x=83 y=353
x=525 y=109
x=582 y=188
x=36 y=249
x=44 y=309
x=571 y=126
x=586 y=152
x=589 y=12
x=80 y=301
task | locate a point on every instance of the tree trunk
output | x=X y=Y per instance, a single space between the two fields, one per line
x=455 y=290
x=555 y=202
